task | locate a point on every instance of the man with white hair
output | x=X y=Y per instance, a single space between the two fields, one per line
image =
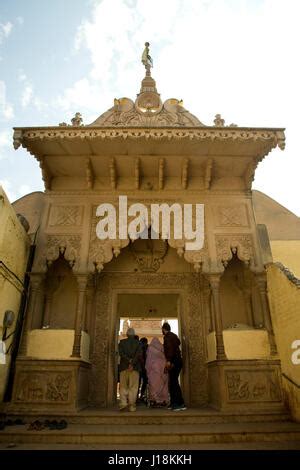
x=130 y=352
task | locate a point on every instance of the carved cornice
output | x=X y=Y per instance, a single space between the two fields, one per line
x=275 y=137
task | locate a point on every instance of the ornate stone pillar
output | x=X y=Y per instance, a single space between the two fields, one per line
x=87 y=325
x=262 y=285
x=82 y=283
x=36 y=280
x=47 y=312
x=214 y=281
x=246 y=288
x=207 y=309
x=248 y=304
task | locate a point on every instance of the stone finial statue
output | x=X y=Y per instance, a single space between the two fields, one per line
x=77 y=120
x=218 y=121
x=146 y=58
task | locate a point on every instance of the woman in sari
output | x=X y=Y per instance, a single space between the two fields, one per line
x=158 y=394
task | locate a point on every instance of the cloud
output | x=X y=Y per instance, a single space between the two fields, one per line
x=20 y=20
x=21 y=76
x=5 y=138
x=5 y=30
x=84 y=96
x=7 y=185
x=26 y=95
x=14 y=194
x=24 y=189
x=6 y=109
x=5 y=142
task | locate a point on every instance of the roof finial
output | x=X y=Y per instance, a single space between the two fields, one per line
x=147 y=60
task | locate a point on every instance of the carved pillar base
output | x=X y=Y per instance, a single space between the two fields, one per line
x=50 y=386
x=246 y=386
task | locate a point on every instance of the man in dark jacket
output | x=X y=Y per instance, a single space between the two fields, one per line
x=173 y=367
x=130 y=352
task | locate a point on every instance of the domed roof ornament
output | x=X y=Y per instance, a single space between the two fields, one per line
x=148 y=109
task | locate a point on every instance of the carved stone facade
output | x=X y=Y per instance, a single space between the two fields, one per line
x=153 y=152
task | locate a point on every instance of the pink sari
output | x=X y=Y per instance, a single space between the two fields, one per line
x=157 y=379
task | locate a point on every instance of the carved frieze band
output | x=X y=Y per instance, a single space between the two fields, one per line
x=253 y=385
x=41 y=387
x=274 y=137
x=239 y=244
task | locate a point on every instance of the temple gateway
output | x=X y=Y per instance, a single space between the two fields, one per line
x=83 y=290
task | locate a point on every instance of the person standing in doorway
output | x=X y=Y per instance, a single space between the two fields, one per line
x=173 y=367
x=130 y=352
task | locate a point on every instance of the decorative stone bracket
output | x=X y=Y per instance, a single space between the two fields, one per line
x=67 y=246
x=103 y=251
x=241 y=245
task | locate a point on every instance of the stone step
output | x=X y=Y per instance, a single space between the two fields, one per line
x=152 y=416
x=145 y=434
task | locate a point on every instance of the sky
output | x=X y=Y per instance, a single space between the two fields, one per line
x=239 y=58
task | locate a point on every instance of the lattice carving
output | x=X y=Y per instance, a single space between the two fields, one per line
x=69 y=216
x=232 y=216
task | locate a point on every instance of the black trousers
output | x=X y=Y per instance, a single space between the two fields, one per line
x=176 y=398
x=144 y=380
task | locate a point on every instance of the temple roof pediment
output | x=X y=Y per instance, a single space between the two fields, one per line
x=148 y=138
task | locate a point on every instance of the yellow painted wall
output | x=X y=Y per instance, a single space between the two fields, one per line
x=284 y=298
x=14 y=249
x=287 y=252
x=241 y=344
x=55 y=344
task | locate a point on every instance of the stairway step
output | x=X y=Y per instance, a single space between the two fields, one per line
x=155 y=417
x=144 y=434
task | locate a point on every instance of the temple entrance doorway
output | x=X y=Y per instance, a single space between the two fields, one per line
x=145 y=313
x=148 y=296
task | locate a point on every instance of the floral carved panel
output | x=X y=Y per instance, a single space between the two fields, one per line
x=43 y=387
x=253 y=386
